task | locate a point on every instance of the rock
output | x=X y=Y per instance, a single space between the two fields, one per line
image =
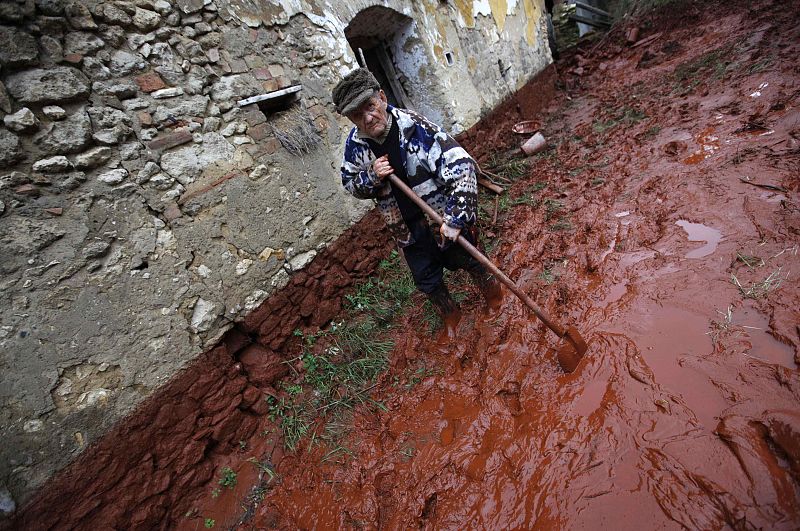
x=121 y=88
x=135 y=104
x=171 y=140
x=302 y=260
x=95 y=69
x=114 y=14
x=2 y=207
x=146 y=20
x=9 y=148
x=71 y=181
x=5 y=102
x=190 y=6
x=95 y=249
x=7 y=503
x=22 y=121
x=79 y=17
x=113 y=35
x=61 y=83
x=113 y=177
x=52 y=8
x=235 y=87
x=211 y=124
x=203 y=316
x=71 y=135
x=149 y=170
x=52 y=52
x=170 y=92
x=92 y=158
x=124 y=63
x=52 y=165
x=162 y=7
x=187 y=107
x=17 y=48
x=54 y=112
x=82 y=43
x=187 y=163
x=149 y=82
x=106 y=117
x=113 y=135
x=161 y=181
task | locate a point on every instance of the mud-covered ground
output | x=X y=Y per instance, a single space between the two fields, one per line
x=668 y=233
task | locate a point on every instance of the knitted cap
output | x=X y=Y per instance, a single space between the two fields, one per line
x=354 y=89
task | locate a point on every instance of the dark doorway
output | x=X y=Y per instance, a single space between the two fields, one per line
x=370 y=35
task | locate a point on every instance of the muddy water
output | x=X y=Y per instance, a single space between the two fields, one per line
x=684 y=412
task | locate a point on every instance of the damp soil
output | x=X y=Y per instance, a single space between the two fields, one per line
x=674 y=251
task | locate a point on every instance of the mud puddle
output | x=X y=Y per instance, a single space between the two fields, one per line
x=684 y=412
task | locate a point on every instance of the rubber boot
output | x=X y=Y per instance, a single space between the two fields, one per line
x=490 y=288
x=448 y=310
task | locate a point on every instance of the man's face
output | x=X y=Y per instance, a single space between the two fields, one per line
x=371 y=117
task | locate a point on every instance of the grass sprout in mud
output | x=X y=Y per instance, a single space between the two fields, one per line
x=341 y=363
x=757 y=290
x=622 y=116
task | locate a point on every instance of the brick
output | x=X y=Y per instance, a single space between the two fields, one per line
x=284 y=82
x=254 y=61
x=270 y=85
x=57 y=211
x=272 y=145
x=145 y=118
x=177 y=138
x=172 y=212
x=254 y=117
x=73 y=58
x=150 y=82
x=261 y=74
x=259 y=132
x=276 y=70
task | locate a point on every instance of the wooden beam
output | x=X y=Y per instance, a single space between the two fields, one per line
x=593 y=9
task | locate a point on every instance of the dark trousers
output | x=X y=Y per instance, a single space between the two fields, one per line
x=427 y=260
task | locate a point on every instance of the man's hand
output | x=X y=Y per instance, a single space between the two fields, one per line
x=382 y=168
x=451 y=233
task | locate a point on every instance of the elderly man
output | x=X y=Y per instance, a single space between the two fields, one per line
x=388 y=140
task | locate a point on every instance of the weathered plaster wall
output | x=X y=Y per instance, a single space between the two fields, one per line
x=143 y=212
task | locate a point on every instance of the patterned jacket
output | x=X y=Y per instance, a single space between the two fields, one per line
x=439 y=170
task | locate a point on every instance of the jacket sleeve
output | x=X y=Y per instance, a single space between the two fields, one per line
x=458 y=170
x=358 y=177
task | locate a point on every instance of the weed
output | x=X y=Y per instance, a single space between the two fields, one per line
x=759 y=289
x=293 y=419
x=563 y=224
x=385 y=295
x=293 y=389
x=652 y=132
x=419 y=375
x=242 y=445
x=548 y=275
x=228 y=479
x=552 y=206
x=759 y=66
x=624 y=115
x=715 y=64
x=510 y=168
x=209 y=523
x=597 y=181
x=215 y=492
x=407 y=453
x=752 y=262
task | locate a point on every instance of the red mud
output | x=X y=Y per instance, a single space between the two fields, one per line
x=684 y=412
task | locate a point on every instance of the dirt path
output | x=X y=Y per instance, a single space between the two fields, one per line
x=685 y=412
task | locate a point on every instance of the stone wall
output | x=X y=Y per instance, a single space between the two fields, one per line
x=144 y=212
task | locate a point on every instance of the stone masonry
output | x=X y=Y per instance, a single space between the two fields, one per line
x=144 y=212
